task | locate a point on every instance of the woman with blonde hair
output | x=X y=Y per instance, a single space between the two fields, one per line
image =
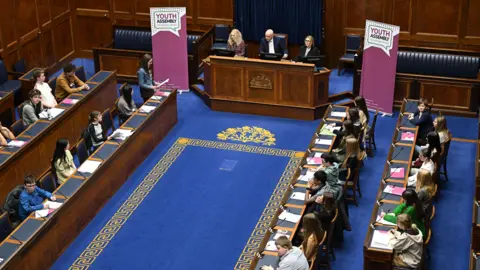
x=440 y=125
x=406 y=242
x=353 y=154
x=313 y=235
x=236 y=43
x=425 y=188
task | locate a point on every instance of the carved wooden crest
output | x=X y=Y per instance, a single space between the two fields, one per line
x=261 y=81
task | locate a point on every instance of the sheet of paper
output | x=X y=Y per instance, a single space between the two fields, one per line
x=338 y=114
x=307 y=176
x=147 y=108
x=318 y=154
x=394 y=190
x=89 y=166
x=16 y=143
x=336 y=128
x=43 y=213
x=54 y=112
x=326 y=131
x=156 y=97
x=383 y=221
x=298 y=196
x=407 y=136
x=162 y=94
x=53 y=205
x=122 y=134
x=289 y=217
x=271 y=246
x=314 y=160
x=397 y=172
x=281 y=233
x=323 y=141
x=380 y=239
x=70 y=101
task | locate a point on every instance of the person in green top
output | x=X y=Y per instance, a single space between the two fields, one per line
x=409 y=207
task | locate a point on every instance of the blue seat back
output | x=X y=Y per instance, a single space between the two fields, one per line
x=222 y=33
x=435 y=64
x=141 y=40
x=48 y=182
x=82 y=153
x=107 y=121
x=3 y=73
x=353 y=43
x=19 y=66
x=80 y=73
x=5 y=226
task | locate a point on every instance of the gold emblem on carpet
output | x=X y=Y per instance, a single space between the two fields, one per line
x=247 y=134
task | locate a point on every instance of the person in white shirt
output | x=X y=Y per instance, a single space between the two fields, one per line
x=272 y=44
x=48 y=100
x=406 y=242
x=427 y=164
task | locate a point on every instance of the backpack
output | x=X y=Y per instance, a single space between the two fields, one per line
x=11 y=204
x=87 y=137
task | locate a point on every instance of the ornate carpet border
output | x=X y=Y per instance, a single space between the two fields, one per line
x=116 y=222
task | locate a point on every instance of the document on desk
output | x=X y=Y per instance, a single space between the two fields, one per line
x=122 y=134
x=383 y=221
x=281 y=233
x=338 y=114
x=307 y=176
x=51 y=207
x=147 y=108
x=380 y=239
x=323 y=141
x=157 y=97
x=290 y=217
x=271 y=246
x=162 y=94
x=70 y=101
x=394 y=190
x=16 y=143
x=89 y=166
x=298 y=196
x=51 y=113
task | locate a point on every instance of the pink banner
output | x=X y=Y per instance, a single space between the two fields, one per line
x=379 y=65
x=169 y=44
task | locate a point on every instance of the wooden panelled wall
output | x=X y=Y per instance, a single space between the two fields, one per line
x=449 y=24
x=48 y=32
x=39 y=31
x=100 y=15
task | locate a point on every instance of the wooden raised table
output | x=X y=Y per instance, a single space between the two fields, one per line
x=273 y=88
x=41 y=137
x=42 y=241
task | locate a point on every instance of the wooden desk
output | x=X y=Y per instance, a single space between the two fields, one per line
x=399 y=156
x=41 y=137
x=273 y=88
x=296 y=206
x=43 y=241
x=7 y=108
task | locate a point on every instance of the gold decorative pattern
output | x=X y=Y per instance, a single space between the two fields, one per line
x=261 y=81
x=248 y=134
x=116 y=222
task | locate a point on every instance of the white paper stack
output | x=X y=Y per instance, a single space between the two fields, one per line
x=156 y=97
x=147 y=109
x=281 y=233
x=16 y=143
x=298 y=196
x=383 y=221
x=51 y=206
x=290 y=217
x=271 y=246
x=323 y=141
x=380 y=239
x=339 y=114
x=307 y=176
x=51 y=113
x=122 y=134
x=89 y=166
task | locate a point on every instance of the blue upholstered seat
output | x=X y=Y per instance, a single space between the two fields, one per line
x=141 y=40
x=434 y=64
x=11 y=85
x=219 y=45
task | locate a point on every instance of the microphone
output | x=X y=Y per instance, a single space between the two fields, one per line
x=391 y=173
x=66 y=197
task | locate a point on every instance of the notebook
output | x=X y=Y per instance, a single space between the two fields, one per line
x=408 y=136
x=394 y=190
x=380 y=239
x=397 y=172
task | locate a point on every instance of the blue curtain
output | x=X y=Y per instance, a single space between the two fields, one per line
x=297 y=18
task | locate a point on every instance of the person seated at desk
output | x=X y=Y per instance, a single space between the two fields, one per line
x=48 y=100
x=68 y=83
x=346 y=132
x=145 y=78
x=330 y=167
x=235 y=43
x=423 y=119
x=325 y=209
x=406 y=242
x=290 y=257
x=31 y=108
x=308 y=49
x=96 y=134
x=32 y=197
x=353 y=155
x=272 y=44
x=5 y=135
x=426 y=164
x=62 y=161
x=440 y=125
x=363 y=114
x=425 y=189
x=125 y=105
x=313 y=234
x=410 y=206
x=318 y=186
x=433 y=144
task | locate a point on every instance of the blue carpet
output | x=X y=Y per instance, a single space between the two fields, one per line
x=193 y=213
x=342 y=83
x=194 y=228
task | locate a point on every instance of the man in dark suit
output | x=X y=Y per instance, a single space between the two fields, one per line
x=272 y=44
x=308 y=49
